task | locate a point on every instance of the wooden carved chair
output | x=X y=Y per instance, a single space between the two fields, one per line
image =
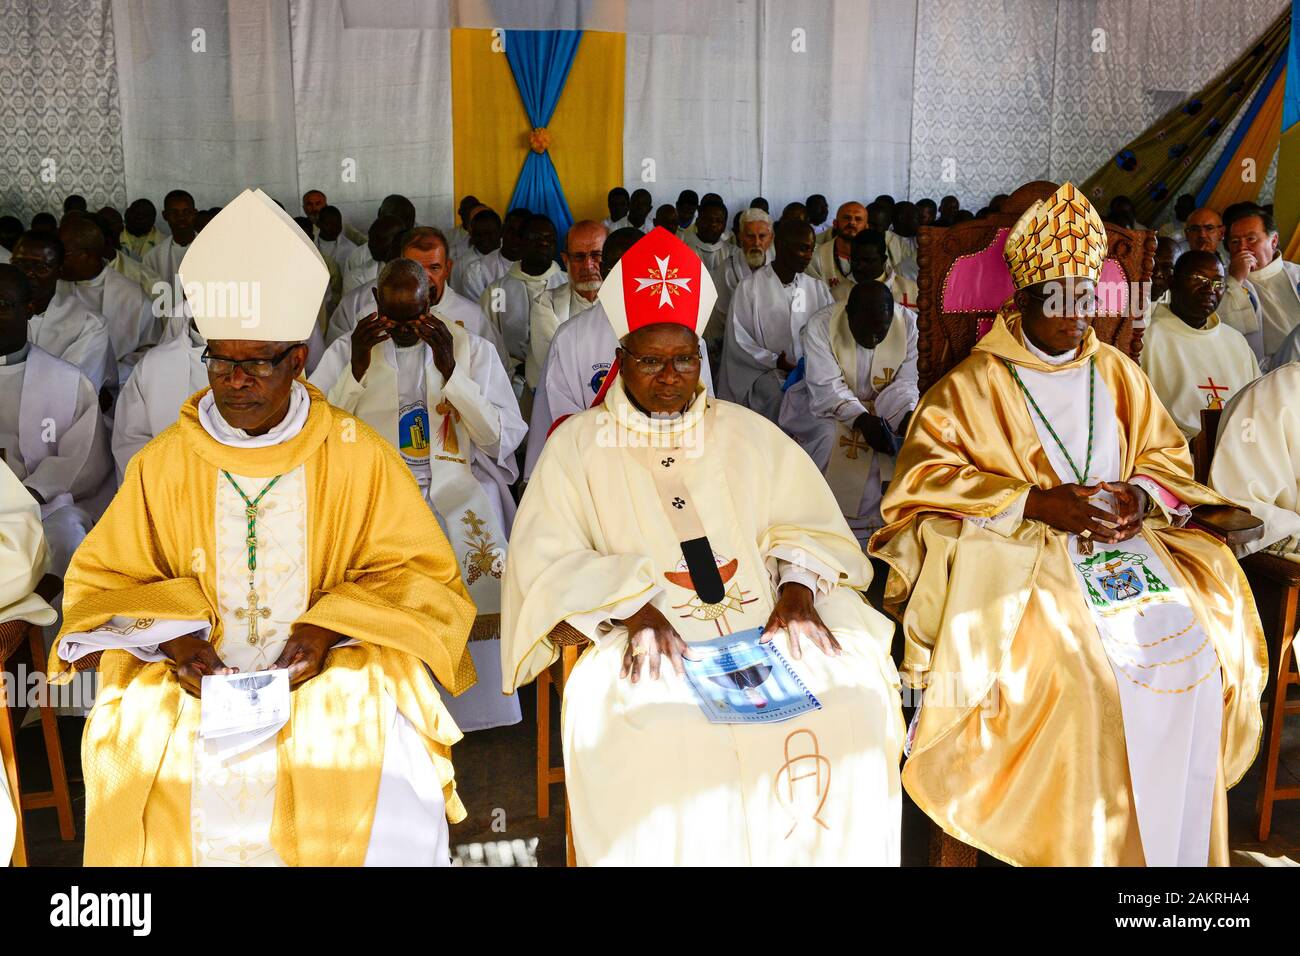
x=962 y=283
x=1275 y=583
x=571 y=643
x=13 y=634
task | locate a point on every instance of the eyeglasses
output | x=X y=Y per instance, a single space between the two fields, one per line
x=257 y=368
x=1204 y=282
x=653 y=364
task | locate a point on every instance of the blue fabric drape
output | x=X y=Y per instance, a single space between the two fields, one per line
x=540 y=61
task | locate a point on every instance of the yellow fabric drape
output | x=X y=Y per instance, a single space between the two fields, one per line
x=490 y=128
x=1259 y=144
x=384 y=575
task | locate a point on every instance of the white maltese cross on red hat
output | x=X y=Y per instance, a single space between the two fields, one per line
x=659 y=279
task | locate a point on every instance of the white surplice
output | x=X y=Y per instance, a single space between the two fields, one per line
x=163 y=261
x=69 y=330
x=550 y=310
x=361 y=268
x=338 y=249
x=233 y=801
x=576 y=364
x=766 y=319
x=507 y=303
x=152 y=397
x=127 y=312
x=481 y=273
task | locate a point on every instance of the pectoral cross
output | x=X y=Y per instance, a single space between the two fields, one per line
x=854 y=444
x=251 y=614
x=1213 y=400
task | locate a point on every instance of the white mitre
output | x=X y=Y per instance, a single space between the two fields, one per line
x=253 y=274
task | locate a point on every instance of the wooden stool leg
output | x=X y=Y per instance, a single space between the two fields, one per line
x=543 y=687
x=1272 y=743
x=569 y=658
x=53 y=746
x=9 y=759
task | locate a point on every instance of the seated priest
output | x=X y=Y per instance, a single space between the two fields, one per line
x=553 y=307
x=266 y=532
x=662 y=519
x=1091 y=669
x=850 y=410
x=764 y=335
x=870 y=258
x=52 y=435
x=23 y=582
x=579 y=357
x=1193 y=359
x=443 y=400
x=1257 y=458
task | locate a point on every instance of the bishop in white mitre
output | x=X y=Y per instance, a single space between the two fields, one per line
x=850 y=410
x=440 y=395
x=663 y=518
x=266 y=532
x=764 y=336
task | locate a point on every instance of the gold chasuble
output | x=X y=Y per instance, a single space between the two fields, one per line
x=1020 y=745
x=378 y=570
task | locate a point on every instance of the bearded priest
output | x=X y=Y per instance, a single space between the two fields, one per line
x=1089 y=702
x=266 y=532
x=660 y=519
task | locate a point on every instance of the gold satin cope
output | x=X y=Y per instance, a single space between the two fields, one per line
x=382 y=575
x=1020 y=745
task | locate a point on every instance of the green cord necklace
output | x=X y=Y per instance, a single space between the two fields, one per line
x=253 y=611
x=1080 y=476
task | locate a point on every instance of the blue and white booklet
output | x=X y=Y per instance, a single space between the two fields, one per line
x=738 y=680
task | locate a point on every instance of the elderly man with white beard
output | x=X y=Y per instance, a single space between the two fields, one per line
x=554 y=307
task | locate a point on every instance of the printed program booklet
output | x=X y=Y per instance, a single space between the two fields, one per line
x=738 y=680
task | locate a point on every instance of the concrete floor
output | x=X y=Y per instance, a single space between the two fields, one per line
x=497 y=770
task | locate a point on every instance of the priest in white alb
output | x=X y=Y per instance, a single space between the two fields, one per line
x=764 y=335
x=1263 y=291
x=362 y=266
x=831 y=261
x=382 y=242
x=663 y=518
x=850 y=410
x=266 y=532
x=441 y=397
x=162 y=263
x=487 y=268
x=1091 y=669
x=507 y=302
x=1193 y=360
x=428 y=246
x=553 y=307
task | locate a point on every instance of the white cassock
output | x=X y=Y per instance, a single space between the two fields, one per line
x=766 y=318
x=842 y=381
x=163 y=261
x=458 y=242
x=459 y=438
x=355 y=305
x=338 y=249
x=831 y=269
x=126 y=310
x=55 y=442
x=1257 y=458
x=1193 y=369
x=1265 y=307
x=482 y=272
x=901 y=287
x=576 y=364
x=361 y=268
x=718 y=259
x=902 y=253
x=69 y=330
x=508 y=303
x=233 y=802
x=152 y=397
x=551 y=309
x=131 y=269
x=460 y=267
x=23 y=560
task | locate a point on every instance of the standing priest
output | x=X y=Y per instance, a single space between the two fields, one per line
x=266 y=530
x=661 y=518
x=1091 y=669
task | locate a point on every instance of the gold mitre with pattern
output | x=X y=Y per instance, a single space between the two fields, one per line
x=1057 y=237
x=253 y=274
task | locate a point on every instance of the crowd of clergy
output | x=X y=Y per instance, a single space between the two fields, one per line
x=412 y=465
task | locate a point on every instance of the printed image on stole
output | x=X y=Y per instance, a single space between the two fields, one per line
x=851 y=456
x=1170 y=693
